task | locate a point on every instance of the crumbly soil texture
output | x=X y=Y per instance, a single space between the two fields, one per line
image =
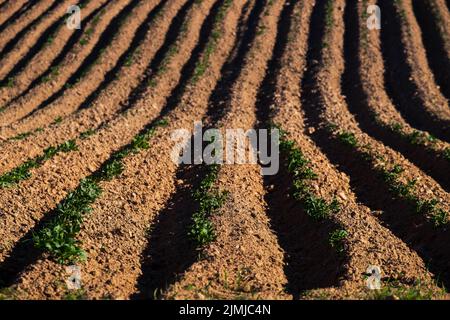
x=95 y=205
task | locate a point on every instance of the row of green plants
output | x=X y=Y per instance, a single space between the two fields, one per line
x=208 y=197
x=173 y=49
x=25 y=135
x=23 y=171
x=62 y=21
x=392 y=176
x=416 y=137
x=135 y=55
x=88 y=33
x=59 y=237
x=313 y=205
x=216 y=34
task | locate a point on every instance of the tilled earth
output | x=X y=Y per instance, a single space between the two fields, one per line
x=87 y=176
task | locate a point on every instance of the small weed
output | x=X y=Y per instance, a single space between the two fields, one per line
x=337 y=238
x=87 y=134
x=57 y=120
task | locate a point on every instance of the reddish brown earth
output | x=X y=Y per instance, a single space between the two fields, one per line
x=311 y=67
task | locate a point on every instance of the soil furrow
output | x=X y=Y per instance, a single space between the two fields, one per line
x=363 y=88
x=294 y=229
x=125 y=267
x=26 y=16
x=111 y=58
x=244 y=259
x=48 y=51
x=22 y=8
x=24 y=39
x=53 y=82
x=367 y=241
x=433 y=18
x=114 y=97
x=408 y=79
x=93 y=150
x=330 y=107
x=8 y=9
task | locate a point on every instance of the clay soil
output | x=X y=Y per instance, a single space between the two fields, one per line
x=312 y=68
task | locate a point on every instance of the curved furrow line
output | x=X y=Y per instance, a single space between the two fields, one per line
x=109 y=57
x=156 y=49
x=124 y=260
x=381 y=179
x=22 y=19
x=434 y=21
x=242 y=255
x=25 y=38
x=362 y=85
x=8 y=9
x=53 y=82
x=280 y=103
x=49 y=50
x=92 y=152
x=408 y=79
x=17 y=11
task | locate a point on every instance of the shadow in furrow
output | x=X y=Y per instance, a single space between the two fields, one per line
x=170 y=251
x=18 y=14
x=369 y=188
x=11 y=43
x=37 y=47
x=401 y=90
x=306 y=266
x=104 y=41
x=352 y=88
x=74 y=38
x=138 y=38
x=231 y=69
x=436 y=54
x=24 y=254
x=170 y=233
x=3 y=5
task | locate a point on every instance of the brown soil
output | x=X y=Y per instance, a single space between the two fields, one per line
x=31 y=67
x=44 y=89
x=53 y=13
x=27 y=14
x=302 y=65
x=9 y=9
